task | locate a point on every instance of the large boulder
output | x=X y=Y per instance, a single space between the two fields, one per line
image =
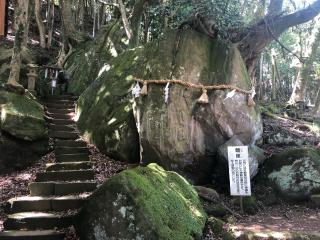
x=295 y=173
x=22 y=117
x=105 y=114
x=23 y=131
x=18 y=154
x=90 y=58
x=180 y=135
x=142 y=203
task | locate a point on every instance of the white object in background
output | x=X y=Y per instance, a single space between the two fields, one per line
x=54 y=83
x=136 y=90
x=166 y=93
x=230 y=94
x=239 y=172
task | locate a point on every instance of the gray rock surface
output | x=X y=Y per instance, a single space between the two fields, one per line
x=295 y=173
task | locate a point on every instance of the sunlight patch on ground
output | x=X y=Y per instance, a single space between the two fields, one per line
x=24 y=176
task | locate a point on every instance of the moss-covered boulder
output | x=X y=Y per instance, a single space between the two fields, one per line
x=23 y=131
x=22 y=117
x=143 y=203
x=180 y=135
x=105 y=112
x=91 y=58
x=295 y=173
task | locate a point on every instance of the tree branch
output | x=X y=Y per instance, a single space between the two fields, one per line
x=296 y=18
x=258 y=36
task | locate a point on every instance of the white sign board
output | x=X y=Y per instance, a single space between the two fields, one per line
x=239 y=172
x=54 y=83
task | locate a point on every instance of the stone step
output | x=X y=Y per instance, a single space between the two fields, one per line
x=68 y=166
x=60 y=188
x=79 y=157
x=71 y=150
x=45 y=204
x=315 y=199
x=60 y=105
x=63 y=134
x=61 y=97
x=68 y=175
x=61 y=121
x=37 y=220
x=59 y=101
x=68 y=128
x=60 y=115
x=32 y=235
x=69 y=143
x=61 y=111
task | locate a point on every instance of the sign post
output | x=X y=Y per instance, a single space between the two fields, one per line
x=239 y=172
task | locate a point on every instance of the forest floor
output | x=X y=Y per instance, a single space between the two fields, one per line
x=273 y=216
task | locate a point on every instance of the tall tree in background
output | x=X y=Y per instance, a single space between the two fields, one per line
x=41 y=26
x=299 y=90
x=21 y=22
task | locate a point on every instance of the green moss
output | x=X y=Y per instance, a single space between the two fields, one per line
x=288 y=156
x=294 y=173
x=217 y=210
x=22 y=117
x=22 y=105
x=218 y=228
x=216 y=225
x=168 y=202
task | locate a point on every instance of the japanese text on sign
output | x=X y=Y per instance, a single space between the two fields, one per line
x=239 y=173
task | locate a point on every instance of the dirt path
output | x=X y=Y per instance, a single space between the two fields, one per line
x=296 y=218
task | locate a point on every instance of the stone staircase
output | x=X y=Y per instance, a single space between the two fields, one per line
x=60 y=191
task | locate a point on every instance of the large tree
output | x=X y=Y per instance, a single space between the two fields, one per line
x=21 y=22
x=252 y=40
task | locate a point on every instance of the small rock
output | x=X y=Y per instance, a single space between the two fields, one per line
x=207 y=193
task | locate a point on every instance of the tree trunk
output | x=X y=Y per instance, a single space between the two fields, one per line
x=136 y=22
x=260 y=84
x=125 y=21
x=50 y=22
x=103 y=14
x=41 y=27
x=21 y=19
x=72 y=34
x=316 y=111
x=299 y=90
x=81 y=14
x=273 y=77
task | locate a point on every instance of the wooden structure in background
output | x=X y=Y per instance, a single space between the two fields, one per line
x=2 y=17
